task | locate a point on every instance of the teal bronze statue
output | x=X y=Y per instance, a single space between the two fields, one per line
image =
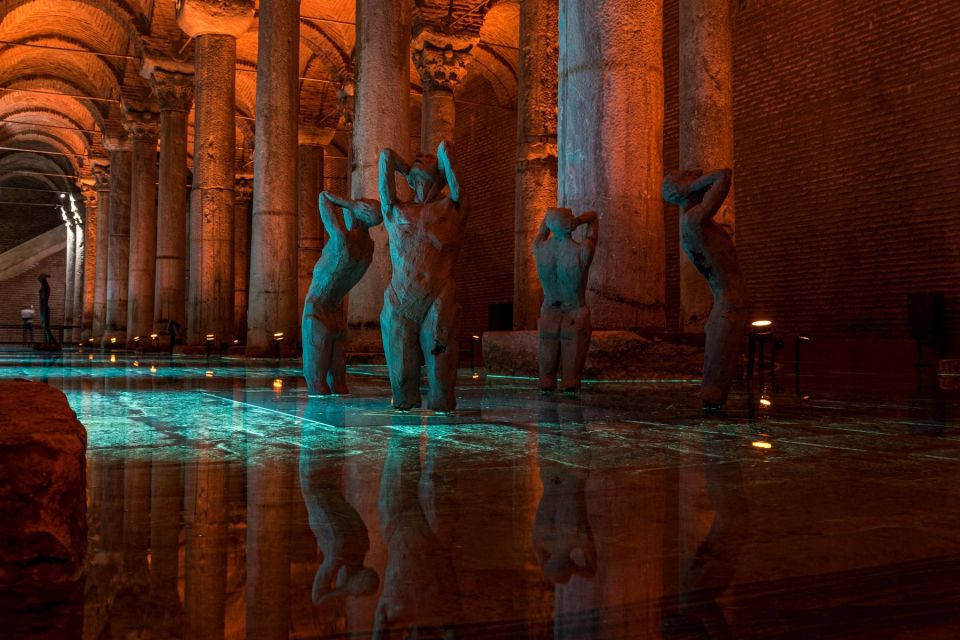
x=345 y=258
x=420 y=313
x=712 y=251
x=563 y=265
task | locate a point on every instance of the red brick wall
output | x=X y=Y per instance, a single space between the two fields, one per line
x=486 y=140
x=21 y=290
x=847 y=144
x=671 y=155
x=21 y=222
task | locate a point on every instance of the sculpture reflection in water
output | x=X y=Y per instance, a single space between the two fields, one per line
x=562 y=535
x=420 y=313
x=419 y=597
x=346 y=256
x=563 y=265
x=712 y=251
x=341 y=535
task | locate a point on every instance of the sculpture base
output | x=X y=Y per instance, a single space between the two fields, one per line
x=613 y=355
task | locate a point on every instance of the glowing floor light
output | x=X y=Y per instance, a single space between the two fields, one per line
x=760 y=444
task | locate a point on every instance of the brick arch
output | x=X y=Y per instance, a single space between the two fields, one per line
x=118 y=12
x=61 y=142
x=39 y=142
x=81 y=114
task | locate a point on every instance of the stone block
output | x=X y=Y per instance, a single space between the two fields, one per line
x=613 y=355
x=43 y=527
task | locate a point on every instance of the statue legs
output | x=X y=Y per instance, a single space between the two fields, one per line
x=401 y=348
x=725 y=328
x=440 y=341
x=323 y=331
x=564 y=342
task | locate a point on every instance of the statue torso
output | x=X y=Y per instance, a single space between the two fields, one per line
x=563 y=266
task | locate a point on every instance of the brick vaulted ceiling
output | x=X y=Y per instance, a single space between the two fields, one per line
x=65 y=64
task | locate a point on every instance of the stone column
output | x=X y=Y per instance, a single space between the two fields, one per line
x=174 y=91
x=441 y=61
x=68 y=273
x=143 y=126
x=272 y=306
x=706 y=125
x=118 y=244
x=99 y=244
x=310 y=167
x=91 y=201
x=243 y=194
x=215 y=27
x=536 y=149
x=381 y=119
x=79 y=241
x=610 y=134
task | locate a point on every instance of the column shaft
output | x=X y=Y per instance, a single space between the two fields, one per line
x=100 y=244
x=610 y=138
x=706 y=125
x=536 y=149
x=118 y=260
x=438 y=120
x=79 y=240
x=68 y=279
x=272 y=305
x=381 y=119
x=90 y=222
x=170 y=295
x=241 y=253
x=143 y=235
x=210 y=308
x=310 y=237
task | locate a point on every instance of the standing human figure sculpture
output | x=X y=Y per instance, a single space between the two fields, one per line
x=563 y=265
x=712 y=251
x=419 y=309
x=345 y=258
x=48 y=338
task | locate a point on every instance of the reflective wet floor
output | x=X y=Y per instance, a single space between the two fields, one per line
x=225 y=503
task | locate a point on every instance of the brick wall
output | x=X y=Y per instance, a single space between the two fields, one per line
x=486 y=138
x=21 y=222
x=23 y=289
x=671 y=155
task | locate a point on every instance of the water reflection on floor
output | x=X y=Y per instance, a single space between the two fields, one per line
x=226 y=503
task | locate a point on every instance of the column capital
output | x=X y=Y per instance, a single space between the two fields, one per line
x=441 y=59
x=101 y=176
x=116 y=142
x=89 y=192
x=141 y=122
x=220 y=17
x=308 y=136
x=243 y=188
x=172 y=83
x=346 y=91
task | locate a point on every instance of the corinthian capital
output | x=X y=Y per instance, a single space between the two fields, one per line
x=173 y=88
x=243 y=188
x=441 y=59
x=101 y=175
x=223 y=17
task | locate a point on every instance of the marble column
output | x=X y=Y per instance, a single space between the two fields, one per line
x=310 y=167
x=536 y=149
x=79 y=253
x=610 y=139
x=272 y=305
x=381 y=119
x=99 y=244
x=118 y=244
x=174 y=91
x=243 y=194
x=143 y=126
x=215 y=27
x=91 y=201
x=441 y=61
x=706 y=125
x=68 y=318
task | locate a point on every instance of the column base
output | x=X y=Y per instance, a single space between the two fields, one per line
x=613 y=355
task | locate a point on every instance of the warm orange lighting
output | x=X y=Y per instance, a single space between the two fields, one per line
x=760 y=444
x=208 y=374
x=278 y=385
x=210 y=337
x=475 y=376
x=113 y=341
x=153 y=369
x=765 y=402
x=136 y=363
x=113 y=357
x=278 y=336
x=153 y=336
x=761 y=323
x=90 y=357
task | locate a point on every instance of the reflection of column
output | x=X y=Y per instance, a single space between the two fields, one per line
x=215 y=27
x=610 y=134
x=441 y=61
x=136 y=517
x=80 y=254
x=68 y=275
x=166 y=499
x=143 y=126
x=381 y=119
x=706 y=125
x=536 y=149
x=118 y=260
x=89 y=277
x=99 y=244
x=273 y=232
x=243 y=193
x=310 y=237
x=174 y=91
